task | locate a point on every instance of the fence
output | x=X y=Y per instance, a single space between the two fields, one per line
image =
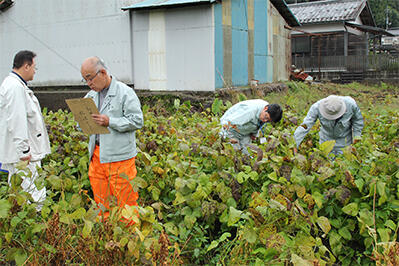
x=354 y=63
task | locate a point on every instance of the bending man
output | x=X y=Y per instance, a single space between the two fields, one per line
x=242 y=121
x=340 y=120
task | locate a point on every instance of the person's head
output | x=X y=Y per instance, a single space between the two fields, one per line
x=271 y=113
x=332 y=107
x=95 y=73
x=24 y=64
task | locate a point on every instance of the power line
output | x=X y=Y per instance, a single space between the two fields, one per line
x=40 y=41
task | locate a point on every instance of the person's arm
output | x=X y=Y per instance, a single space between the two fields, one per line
x=308 y=122
x=17 y=122
x=357 y=122
x=132 y=118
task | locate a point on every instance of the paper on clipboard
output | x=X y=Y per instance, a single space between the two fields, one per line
x=82 y=108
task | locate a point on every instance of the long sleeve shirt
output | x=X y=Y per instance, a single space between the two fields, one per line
x=341 y=130
x=242 y=119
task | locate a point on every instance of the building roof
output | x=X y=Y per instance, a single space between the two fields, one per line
x=151 y=4
x=365 y=28
x=280 y=5
x=285 y=12
x=330 y=11
x=4 y=4
x=394 y=31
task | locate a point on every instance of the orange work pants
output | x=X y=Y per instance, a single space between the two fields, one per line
x=106 y=181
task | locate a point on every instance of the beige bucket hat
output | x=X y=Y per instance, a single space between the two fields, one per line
x=332 y=107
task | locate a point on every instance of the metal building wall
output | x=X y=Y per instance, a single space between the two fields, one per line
x=63 y=33
x=250 y=43
x=261 y=42
x=280 y=46
x=173 y=49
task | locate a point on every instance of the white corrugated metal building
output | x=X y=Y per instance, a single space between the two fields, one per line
x=198 y=45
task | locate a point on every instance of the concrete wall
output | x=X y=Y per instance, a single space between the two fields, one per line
x=173 y=49
x=63 y=33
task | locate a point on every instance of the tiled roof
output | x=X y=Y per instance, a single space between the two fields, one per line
x=327 y=11
x=285 y=12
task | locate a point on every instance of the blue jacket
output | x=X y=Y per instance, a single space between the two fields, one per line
x=351 y=123
x=244 y=117
x=123 y=108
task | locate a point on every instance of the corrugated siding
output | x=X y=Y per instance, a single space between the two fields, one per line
x=218 y=26
x=239 y=42
x=175 y=50
x=63 y=33
x=260 y=41
x=281 y=46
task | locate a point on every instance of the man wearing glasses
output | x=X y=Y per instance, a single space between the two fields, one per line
x=112 y=156
x=23 y=134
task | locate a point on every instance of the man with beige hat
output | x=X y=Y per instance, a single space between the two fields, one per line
x=340 y=120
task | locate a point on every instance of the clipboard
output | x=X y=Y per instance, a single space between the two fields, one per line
x=82 y=108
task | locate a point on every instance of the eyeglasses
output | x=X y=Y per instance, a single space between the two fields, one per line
x=87 y=80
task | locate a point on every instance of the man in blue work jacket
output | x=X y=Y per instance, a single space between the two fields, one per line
x=242 y=121
x=112 y=156
x=340 y=120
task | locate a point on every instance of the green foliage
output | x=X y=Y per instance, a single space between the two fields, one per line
x=202 y=203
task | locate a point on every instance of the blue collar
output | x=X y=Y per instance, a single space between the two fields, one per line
x=20 y=77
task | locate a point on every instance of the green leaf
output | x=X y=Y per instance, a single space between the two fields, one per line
x=318 y=198
x=390 y=224
x=123 y=241
x=55 y=182
x=249 y=234
x=359 y=184
x=366 y=217
x=136 y=183
x=298 y=261
x=45 y=212
x=8 y=236
x=344 y=232
x=78 y=214
x=75 y=201
x=351 y=209
x=87 y=229
x=241 y=177
x=179 y=199
x=381 y=188
x=324 y=224
x=224 y=236
x=189 y=221
x=20 y=257
x=213 y=245
x=15 y=221
x=216 y=106
x=234 y=216
x=177 y=103
x=273 y=176
x=38 y=228
x=384 y=234
x=5 y=206
x=327 y=146
x=170 y=227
